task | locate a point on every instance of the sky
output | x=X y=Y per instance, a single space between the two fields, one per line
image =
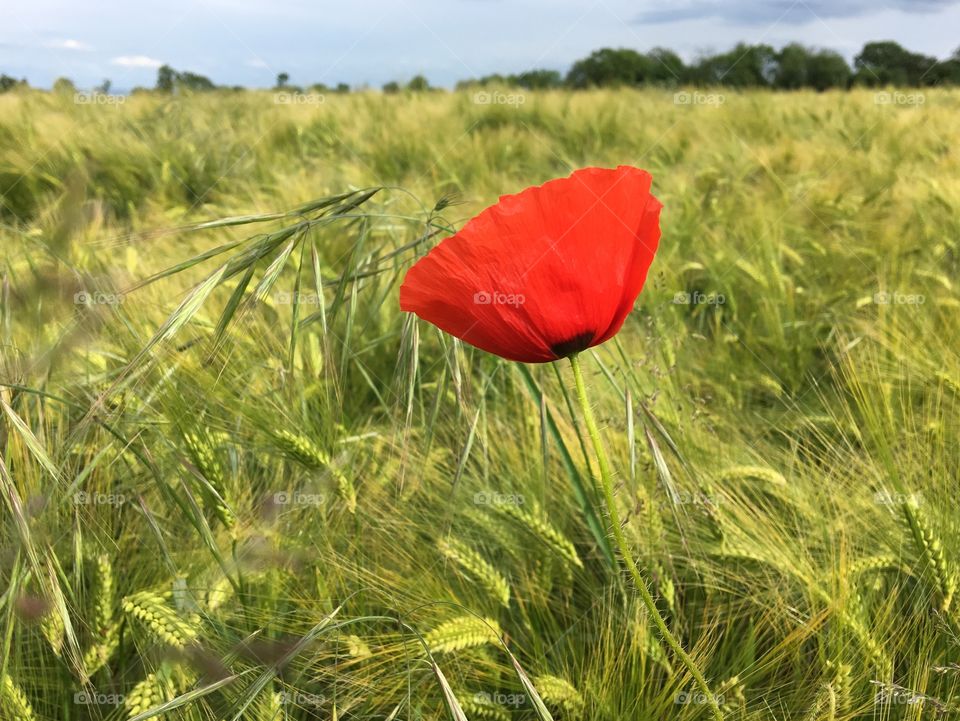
x=369 y=42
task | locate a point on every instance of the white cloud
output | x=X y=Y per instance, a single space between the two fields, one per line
x=137 y=61
x=68 y=44
x=255 y=63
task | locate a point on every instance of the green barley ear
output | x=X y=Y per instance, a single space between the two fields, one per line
x=874 y=651
x=928 y=544
x=730 y=694
x=357 y=647
x=97 y=656
x=105 y=629
x=536 y=524
x=218 y=593
x=307 y=453
x=204 y=457
x=833 y=694
x=162 y=620
x=53 y=629
x=560 y=694
x=150 y=692
x=461 y=633
x=477 y=567
x=480 y=706
x=270 y=707
x=103 y=608
x=13 y=702
x=758 y=473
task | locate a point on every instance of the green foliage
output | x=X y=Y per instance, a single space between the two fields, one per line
x=170 y=81
x=887 y=63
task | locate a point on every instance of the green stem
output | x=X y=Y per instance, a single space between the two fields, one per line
x=606 y=478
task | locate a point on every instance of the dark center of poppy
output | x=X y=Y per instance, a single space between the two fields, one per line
x=573 y=345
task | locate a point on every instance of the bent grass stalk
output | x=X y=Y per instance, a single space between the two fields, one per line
x=606 y=479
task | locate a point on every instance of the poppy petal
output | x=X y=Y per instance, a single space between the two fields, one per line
x=546 y=272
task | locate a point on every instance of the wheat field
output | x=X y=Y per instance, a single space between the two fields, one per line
x=239 y=483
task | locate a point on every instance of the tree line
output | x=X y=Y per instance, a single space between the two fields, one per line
x=759 y=66
x=793 y=67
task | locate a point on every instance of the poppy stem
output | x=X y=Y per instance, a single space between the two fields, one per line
x=606 y=478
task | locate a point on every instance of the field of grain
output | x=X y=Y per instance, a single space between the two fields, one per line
x=238 y=483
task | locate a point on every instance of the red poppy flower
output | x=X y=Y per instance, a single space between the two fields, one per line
x=544 y=273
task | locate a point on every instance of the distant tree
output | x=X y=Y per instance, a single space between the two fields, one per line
x=170 y=80
x=538 y=79
x=827 y=69
x=8 y=83
x=800 y=67
x=887 y=63
x=391 y=88
x=343 y=88
x=192 y=82
x=743 y=67
x=166 y=77
x=320 y=88
x=793 y=67
x=609 y=67
x=665 y=67
x=418 y=84
x=104 y=87
x=282 y=80
x=64 y=86
x=496 y=78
